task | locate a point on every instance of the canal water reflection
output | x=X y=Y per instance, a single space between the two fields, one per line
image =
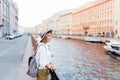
x=79 y=60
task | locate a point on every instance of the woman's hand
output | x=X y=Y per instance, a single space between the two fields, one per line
x=52 y=67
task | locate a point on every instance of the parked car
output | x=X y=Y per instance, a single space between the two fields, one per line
x=10 y=36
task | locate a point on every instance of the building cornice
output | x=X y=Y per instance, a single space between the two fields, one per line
x=94 y=4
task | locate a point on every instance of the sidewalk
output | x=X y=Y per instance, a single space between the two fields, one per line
x=21 y=75
x=83 y=37
x=1 y=38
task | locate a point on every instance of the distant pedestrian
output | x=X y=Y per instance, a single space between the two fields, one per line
x=34 y=42
x=43 y=56
x=38 y=38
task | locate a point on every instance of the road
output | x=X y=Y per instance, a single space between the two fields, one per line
x=11 y=54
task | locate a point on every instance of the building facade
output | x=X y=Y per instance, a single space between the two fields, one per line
x=38 y=28
x=5 y=17
x=13 y=17
x=95 y=18
x=7 y=13
x=45 y=24
x=66 y=23
x=55 y=22
x=1 y=25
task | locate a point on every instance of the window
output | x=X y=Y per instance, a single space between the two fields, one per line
x=7 y=11
x=4 y=8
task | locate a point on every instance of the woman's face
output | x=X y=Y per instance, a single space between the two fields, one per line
x=48 y=37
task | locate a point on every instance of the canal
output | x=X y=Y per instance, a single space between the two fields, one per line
x=79 y=60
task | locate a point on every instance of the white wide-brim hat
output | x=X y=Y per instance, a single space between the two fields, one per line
x=43 y=33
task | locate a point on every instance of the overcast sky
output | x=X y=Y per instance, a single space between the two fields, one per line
x=32 y=12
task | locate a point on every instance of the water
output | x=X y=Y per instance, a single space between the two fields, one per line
x=79 y=60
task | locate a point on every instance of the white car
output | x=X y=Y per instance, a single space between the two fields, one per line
x=10 y=36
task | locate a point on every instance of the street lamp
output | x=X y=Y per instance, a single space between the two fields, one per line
x=98 y=28
x=68 y=31
x=3 y=26
x=86 y=30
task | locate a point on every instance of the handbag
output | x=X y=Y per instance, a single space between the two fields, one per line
x=53 y=75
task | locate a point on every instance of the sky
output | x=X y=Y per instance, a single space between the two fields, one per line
x=32 y=12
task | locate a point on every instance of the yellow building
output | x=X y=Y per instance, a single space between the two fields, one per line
x=66 y=23
x=54 y=22
x=44 y=24
x=38 y=28
x=94 y=18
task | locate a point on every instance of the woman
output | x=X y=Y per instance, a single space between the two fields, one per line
x=43 y=57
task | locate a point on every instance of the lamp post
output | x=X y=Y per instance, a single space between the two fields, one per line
x=68 y=31
x=86 y=30
x=3 y=27
x=98 y=29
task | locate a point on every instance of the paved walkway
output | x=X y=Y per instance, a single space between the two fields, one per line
x=24 y=65
x=83 y=38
